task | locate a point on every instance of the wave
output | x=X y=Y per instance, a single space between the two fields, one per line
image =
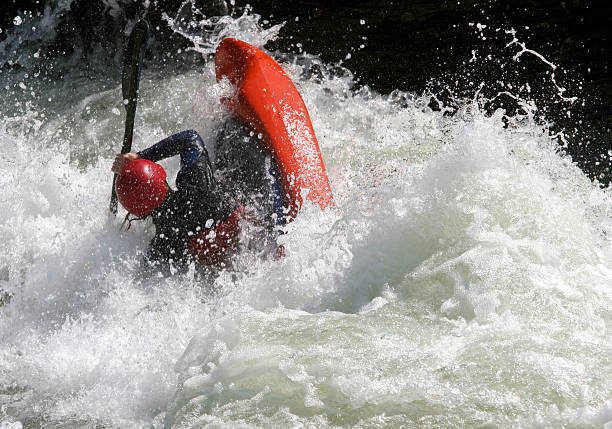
x=462 y=279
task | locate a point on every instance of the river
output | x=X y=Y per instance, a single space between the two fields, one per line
x=462 y=280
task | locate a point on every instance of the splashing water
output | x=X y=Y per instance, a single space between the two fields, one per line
x=461 y=281
x=207 y=32
x=27 y=42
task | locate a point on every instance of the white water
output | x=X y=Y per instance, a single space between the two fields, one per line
x=462 y=280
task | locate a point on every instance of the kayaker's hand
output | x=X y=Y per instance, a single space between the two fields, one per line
x=122 y=159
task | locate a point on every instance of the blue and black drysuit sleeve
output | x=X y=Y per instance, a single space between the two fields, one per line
x=189 y=145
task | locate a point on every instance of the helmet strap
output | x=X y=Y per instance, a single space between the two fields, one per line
x=129 y=218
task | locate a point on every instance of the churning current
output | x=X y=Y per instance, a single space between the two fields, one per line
x=462 y=280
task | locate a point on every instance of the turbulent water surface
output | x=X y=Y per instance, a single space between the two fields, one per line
x=462 y=280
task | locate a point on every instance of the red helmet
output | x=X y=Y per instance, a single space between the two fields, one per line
x=141 y=186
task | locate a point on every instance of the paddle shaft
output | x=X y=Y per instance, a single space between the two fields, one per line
x=131 y=78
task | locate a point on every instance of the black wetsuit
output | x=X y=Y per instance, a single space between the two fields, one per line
x=246 y=175
x=198 y=204
x=250 y=173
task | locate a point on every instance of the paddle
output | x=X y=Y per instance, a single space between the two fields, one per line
x=134 y=57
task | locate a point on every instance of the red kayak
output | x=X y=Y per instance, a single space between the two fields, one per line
x=269 y=104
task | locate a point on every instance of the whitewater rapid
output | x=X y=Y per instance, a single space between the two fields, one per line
x=462 y=280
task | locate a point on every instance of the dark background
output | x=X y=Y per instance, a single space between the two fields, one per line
x=419 y=46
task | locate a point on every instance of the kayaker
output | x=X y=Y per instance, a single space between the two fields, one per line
x=202 y=218
x=199 y=219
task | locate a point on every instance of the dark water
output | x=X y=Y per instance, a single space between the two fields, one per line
x=418 y=45
x=461 y=281
x=450 y=48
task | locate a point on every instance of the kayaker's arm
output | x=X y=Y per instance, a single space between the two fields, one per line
x=187 y=143
x=196 y=170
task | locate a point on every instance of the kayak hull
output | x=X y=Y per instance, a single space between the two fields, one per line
x=267 y=101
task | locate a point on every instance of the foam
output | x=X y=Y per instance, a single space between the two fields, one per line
x=462 y=278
